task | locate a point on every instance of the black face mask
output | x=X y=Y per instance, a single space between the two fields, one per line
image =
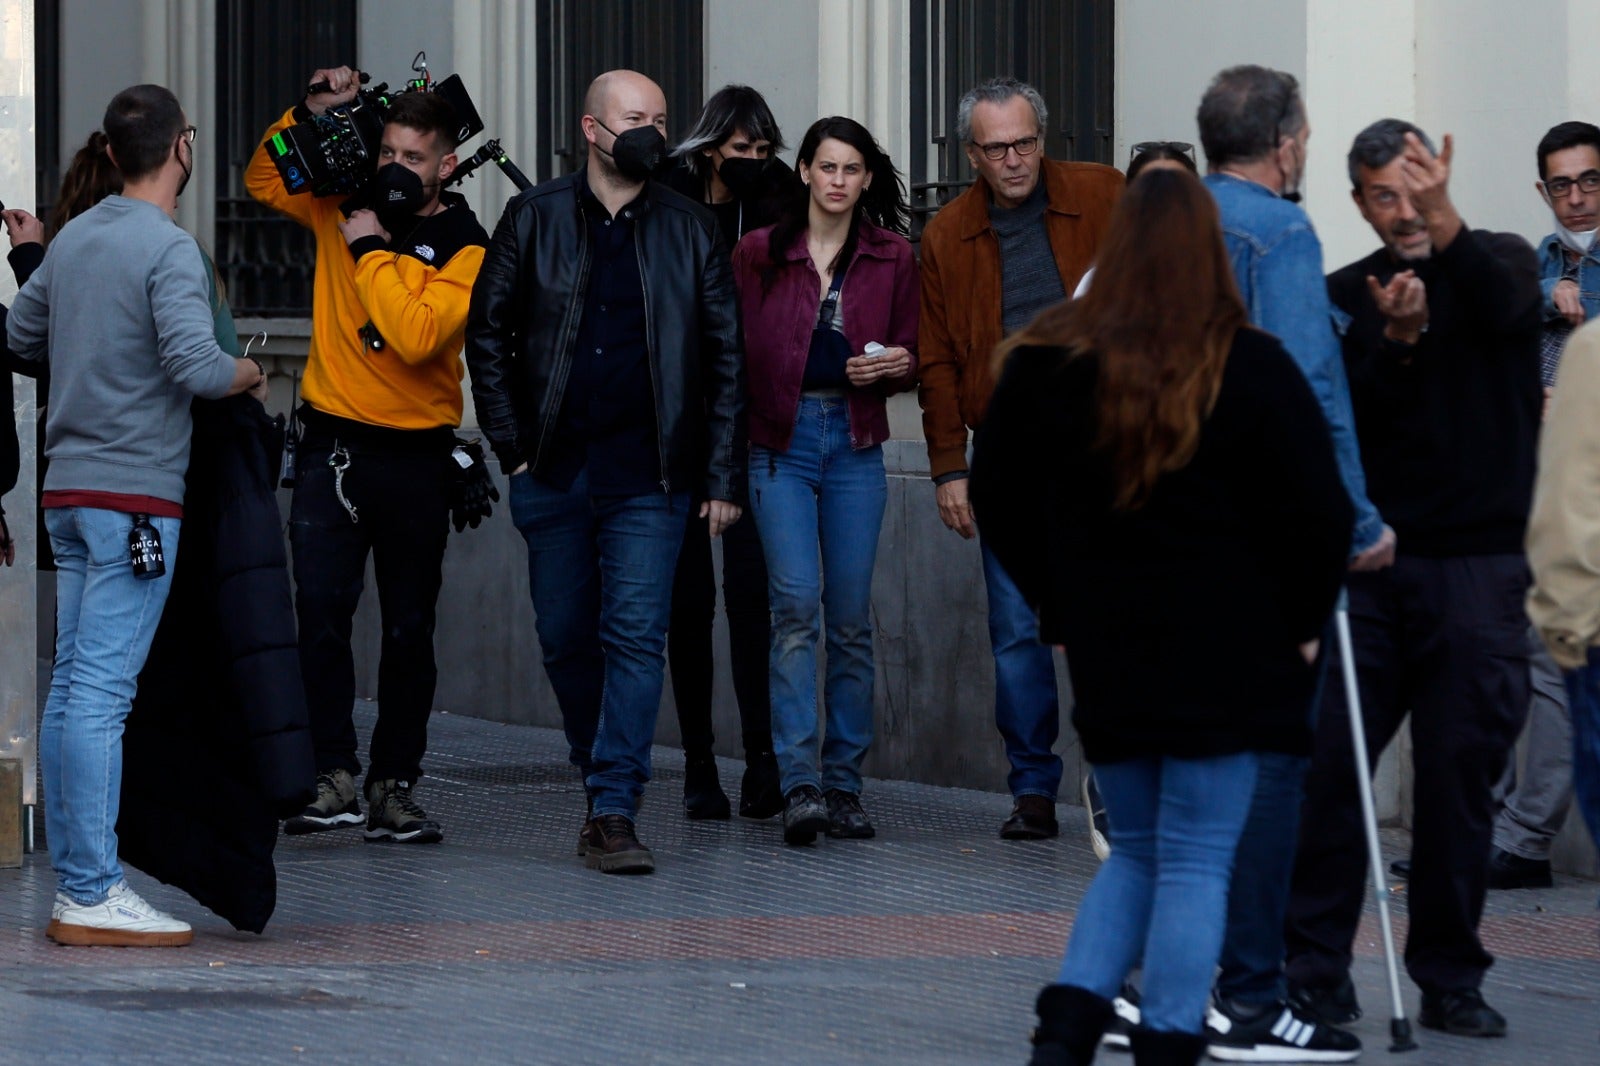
x=397 y=191
x=744 y=177
x=639 y=153
x=188 y=171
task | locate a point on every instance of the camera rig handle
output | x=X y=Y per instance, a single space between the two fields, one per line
x=491 y=152
x=323 y=87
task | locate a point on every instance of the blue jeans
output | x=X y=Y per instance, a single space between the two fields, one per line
x=1252 y=951
x=105 y=621
x=820 y=498
x=1163 y=894
x=1026 y=708
x=600 y=570
x=1583 y=700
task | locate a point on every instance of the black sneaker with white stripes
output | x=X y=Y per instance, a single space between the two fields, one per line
x=1238 y=1032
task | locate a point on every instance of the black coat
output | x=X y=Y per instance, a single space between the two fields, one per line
x=1180 y=619
x=218 y=746
x=25 y=259
x=523 y=324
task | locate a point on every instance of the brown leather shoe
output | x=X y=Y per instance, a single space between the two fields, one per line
x=612 y=847
x=1033 y=818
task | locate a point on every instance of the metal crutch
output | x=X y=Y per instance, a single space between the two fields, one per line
x=1399 y=1025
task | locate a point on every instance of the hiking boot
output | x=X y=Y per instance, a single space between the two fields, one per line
x=703 y=798
x=612 y=847
x=1462 y=1012
x=1507 y=870
x=394 y=817
x=335 y=807
x=846 y=819
x=804 y=815
x=760 y=793
x=1094 y=808
x=1240 y=1032
x=1333 y=1004
x=1033 y=818
x=122 y=919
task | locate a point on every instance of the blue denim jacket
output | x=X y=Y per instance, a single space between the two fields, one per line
x=1552 y=260
x=1277 y=262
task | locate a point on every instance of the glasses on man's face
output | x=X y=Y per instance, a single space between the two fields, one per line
x=1182 y=147
x=996 y=150
x=187 y=133
x=1588 y=181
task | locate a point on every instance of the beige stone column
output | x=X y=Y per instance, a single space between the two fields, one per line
x=180 y=52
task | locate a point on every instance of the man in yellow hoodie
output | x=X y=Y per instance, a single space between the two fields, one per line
x=374 y=471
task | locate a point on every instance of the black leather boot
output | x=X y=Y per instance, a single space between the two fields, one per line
x=1071 y=1022
x=703 y=797
x=1152 y=1048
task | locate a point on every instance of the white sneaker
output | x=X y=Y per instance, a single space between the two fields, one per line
x=122 y=919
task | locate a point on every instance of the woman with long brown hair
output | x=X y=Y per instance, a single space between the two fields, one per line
x=1158 y=479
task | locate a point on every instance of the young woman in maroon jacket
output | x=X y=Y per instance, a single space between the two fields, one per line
x=828 y=298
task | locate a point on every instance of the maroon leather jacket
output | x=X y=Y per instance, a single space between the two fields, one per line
x=879 y=302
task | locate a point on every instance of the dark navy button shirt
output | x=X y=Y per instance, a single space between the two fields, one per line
x=608 y=413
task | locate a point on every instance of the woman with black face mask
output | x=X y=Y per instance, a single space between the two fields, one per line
x=728 y=162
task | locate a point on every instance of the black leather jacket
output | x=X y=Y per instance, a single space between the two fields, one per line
x=524 y=317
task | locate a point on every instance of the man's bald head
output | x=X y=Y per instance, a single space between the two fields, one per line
x=618 y=94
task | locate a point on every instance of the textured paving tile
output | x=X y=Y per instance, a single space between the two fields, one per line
x=925 y=945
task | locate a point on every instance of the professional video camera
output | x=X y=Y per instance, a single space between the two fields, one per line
x=335 y=153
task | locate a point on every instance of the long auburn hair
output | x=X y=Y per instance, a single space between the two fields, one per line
x=1159 y=316
x=90 y=178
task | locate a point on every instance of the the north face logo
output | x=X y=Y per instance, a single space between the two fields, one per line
x=424 y=252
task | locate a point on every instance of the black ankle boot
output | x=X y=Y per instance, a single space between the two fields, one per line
x=1071 y=1022
x=703 y=797
x=760 y=794
x=1152 y=1048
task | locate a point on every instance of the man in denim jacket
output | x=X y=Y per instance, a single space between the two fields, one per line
x=1254 y=129
x=1535 y=803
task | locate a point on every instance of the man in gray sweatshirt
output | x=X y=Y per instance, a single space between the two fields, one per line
x=121 y=309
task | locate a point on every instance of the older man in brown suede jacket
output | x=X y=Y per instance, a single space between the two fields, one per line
x=1010 y=246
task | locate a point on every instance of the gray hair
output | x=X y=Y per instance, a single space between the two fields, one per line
x=731 y=108
x=998 y=91
x=1379 y=144
x=1246 y=112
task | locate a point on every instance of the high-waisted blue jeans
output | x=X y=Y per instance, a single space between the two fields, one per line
x=819 y=508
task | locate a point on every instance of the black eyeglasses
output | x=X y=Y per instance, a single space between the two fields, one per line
x=996 y=150
x=1181 y=147
x=1588 y=181
x=187 y=133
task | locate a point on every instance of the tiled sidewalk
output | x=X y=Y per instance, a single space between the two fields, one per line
x=923 y=946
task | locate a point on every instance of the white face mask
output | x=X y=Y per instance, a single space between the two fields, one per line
x=1580 y=241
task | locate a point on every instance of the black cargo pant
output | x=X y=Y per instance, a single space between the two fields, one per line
x=1445 y=640
x=694 y=608
x=398 y=483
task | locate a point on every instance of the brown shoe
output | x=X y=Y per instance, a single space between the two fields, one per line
x=1033 y=818
x=612 y=847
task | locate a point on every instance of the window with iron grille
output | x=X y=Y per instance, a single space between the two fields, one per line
x=579 y=39
x=1063 y=48
x=265 y=49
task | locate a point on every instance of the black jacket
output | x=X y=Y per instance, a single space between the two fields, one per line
x=218 y=746
x=524 y=317
x=25 y=259
x=1180 y=619
x=1449 y=428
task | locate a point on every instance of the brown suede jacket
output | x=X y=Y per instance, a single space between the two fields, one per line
x=961 y=295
